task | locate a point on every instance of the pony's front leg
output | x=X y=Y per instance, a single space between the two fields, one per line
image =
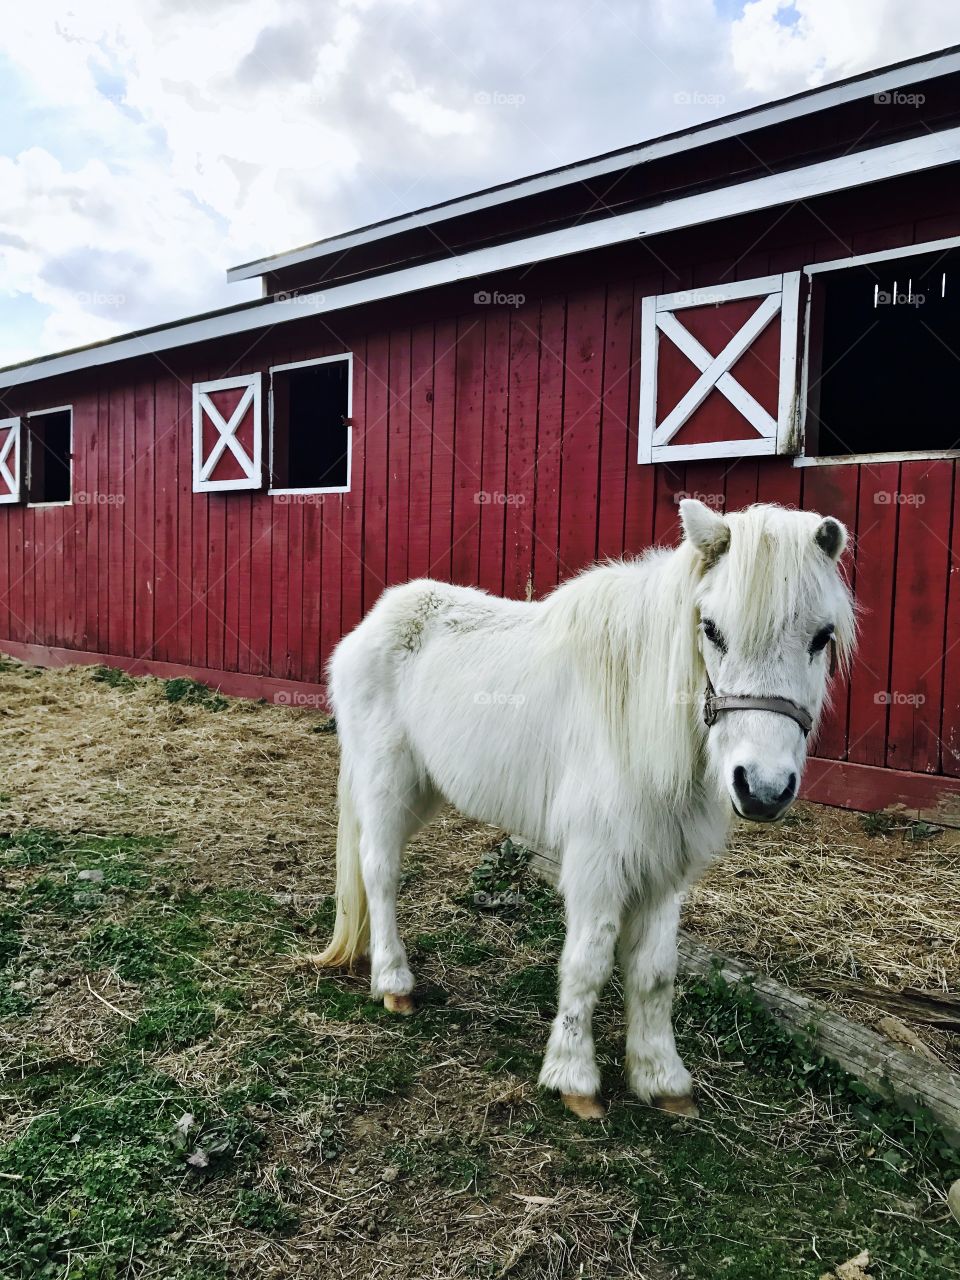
x=570 y=1064
x=648 y=958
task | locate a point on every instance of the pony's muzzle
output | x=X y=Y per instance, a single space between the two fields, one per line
x=763 y=795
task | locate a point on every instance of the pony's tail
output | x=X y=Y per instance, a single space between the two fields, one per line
x=351 y=929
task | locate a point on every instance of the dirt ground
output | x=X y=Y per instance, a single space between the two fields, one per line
x=829 y=900
x=170 y=979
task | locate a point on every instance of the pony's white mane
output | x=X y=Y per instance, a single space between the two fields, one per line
x=776 y=568
x=630 y=629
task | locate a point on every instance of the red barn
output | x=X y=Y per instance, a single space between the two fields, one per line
x=499 y=389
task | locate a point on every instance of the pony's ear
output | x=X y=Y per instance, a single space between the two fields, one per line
x=708 y=532
x=831 y=537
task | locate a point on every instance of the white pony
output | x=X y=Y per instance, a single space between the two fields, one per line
x=589 y=724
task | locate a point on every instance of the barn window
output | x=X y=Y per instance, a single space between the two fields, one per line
x=49 y=451
x=718 y=370
x=227 y=434
x=310 y=428
x=10 y=456
x=883 y=371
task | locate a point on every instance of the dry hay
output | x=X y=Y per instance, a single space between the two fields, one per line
x=248 y=795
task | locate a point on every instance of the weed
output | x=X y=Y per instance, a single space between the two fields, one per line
x=192 y=693
x=880 y=823
x=174 y=1019
x=114 y=677
x=258 y=1211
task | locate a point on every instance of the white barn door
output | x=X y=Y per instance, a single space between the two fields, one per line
x=227 y=434
x=719 y=369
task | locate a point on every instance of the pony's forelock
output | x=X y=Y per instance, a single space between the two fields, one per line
x=774 y=570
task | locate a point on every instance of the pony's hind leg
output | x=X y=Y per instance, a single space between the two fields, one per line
x=389 y=816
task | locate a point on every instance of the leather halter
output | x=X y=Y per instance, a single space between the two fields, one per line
x=714 y=703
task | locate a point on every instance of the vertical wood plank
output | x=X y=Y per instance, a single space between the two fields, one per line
x=376 y=373
x=144 y=520
x=351 y=571
x=950 y=718
x=546 y=568
x=923 y=557
x=641 y=478
x=617 y=444
x=468 y=453
x=521 y=451
x=833 y=492
x=398 y=504
x=421 y=450
x=580 y=452
x=875 y=558
x=165 y=526
x=493 y=471
x=444 y=404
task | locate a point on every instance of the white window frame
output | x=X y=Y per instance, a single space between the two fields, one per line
x=778 y=436
x=303 y=364
x=252 y=467
x=26 y=465
x=12 y=443
x=802 y=459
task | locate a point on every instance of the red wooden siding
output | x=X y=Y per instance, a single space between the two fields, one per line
x=492 y=445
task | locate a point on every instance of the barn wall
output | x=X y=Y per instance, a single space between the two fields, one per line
x=493 y=445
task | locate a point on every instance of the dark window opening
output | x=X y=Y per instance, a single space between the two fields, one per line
x=885 y=357
x=311 y=433
x=48 y=457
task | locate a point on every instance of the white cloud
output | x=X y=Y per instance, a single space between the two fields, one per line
x=781 y=46
x=146 y=145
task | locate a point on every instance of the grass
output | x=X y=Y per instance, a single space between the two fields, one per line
x=182 y=1097
x=209 y=1116
x=192 y=693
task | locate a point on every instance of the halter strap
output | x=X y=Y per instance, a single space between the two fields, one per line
x=714 y=703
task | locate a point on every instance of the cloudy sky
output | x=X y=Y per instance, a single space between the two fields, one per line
x=147 y=145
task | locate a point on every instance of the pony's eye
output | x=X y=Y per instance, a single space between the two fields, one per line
x=821 y=639
x=714 y=634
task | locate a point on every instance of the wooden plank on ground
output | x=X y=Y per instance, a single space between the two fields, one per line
x=888 y=1070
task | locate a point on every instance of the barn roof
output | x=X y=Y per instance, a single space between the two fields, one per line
x=796 y=151
x=736 y=125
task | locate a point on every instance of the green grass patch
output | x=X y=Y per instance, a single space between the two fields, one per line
x=114 y=678
x=191 y=693
x=95 y=1180
x=260 y=1211
x=452 y=1161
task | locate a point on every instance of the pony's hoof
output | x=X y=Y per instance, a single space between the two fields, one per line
x=677 y=1105
x=585 y=1106
x=398 y=1004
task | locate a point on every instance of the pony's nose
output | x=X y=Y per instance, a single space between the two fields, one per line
x=762 y=796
